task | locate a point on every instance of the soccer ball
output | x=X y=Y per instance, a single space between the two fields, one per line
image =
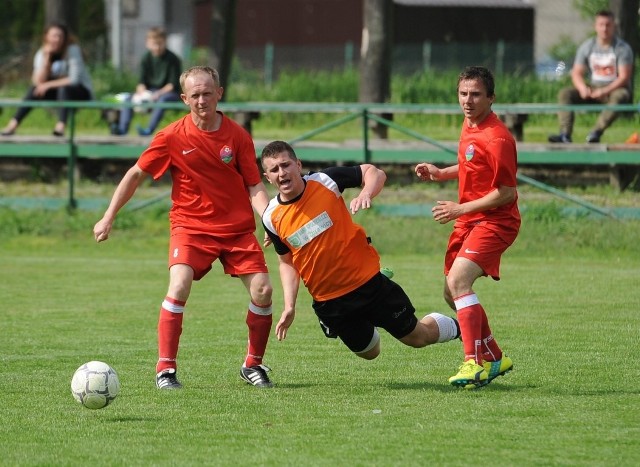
x=95 y=385
x=142 y=98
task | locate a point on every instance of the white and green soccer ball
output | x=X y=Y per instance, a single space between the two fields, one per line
x=95 y=385
x=142 y=98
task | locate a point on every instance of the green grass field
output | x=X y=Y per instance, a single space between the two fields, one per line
x=566 y=311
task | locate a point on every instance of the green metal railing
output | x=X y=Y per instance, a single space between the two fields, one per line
x=366 y=112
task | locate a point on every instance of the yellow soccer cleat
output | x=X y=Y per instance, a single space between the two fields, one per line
x=470 y=375
x=498 y=368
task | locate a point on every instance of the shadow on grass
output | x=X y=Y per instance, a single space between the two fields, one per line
x=446 y=388
x=134 y=419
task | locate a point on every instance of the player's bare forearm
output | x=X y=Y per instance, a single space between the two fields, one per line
x=266 y=240
x=290 y=280
x=445 y=211
x=259 y=198
x=498 y=197
x=373 y=180
x=286 y=319
x=123 y=193
x=429 y=172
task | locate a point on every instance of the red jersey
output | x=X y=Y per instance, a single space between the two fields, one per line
x=211 y=171
x=487 y=159
x=331 y=253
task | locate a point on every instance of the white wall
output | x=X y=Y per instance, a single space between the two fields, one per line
x=554 y=20
x=174 y=15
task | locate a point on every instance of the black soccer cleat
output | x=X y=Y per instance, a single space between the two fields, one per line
x=256 y=376
x=167 y=379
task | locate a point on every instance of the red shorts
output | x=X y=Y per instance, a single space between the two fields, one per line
x=483 y=243
x=239 y=255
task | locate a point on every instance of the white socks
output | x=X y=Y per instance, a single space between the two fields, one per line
x=446 y=325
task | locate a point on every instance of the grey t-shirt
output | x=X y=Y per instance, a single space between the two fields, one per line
x=603 y=62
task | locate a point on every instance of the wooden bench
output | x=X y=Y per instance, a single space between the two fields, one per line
x=618 y=159
x=622 y=161
x=514 y=115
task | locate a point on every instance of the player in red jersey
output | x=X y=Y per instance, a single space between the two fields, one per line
x=216 y=182
x=316 y=240
x=487 y=222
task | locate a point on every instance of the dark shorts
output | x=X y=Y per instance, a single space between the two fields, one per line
x=380 y=302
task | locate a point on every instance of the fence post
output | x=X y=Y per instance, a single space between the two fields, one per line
x=348 y=56
x=268 y=64
x=500 y=58
x=426 y=55
x=72 y=158
x=365 y=136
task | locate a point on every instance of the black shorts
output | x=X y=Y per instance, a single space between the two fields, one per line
x=380 y=302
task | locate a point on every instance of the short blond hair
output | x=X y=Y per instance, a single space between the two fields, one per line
x=195 y=70
x=157 y=33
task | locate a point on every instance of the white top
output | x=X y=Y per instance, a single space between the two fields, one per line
x=71 y=65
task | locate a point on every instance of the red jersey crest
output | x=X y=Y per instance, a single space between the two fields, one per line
x=226 y=154
x=468 y=153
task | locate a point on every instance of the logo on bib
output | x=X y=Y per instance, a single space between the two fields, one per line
x=468 y=153
x=226 y=154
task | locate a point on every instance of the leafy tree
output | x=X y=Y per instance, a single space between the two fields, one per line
x=625 y=11
x=23 y=22
x=587 y=8
x=627 y=18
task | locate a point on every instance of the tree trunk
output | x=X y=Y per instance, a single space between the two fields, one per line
x=62 y=11
x=375 y=56
x=223 y=26
x=626 y=13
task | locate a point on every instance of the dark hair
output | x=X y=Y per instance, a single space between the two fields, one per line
x=479 y=73
x=68 y=37
x=605 y=13
x=276 y=147
x=194 y=70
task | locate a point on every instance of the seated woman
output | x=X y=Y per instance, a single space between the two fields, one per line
x=59 y=73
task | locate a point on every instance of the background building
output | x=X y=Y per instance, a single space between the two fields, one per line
x=509 y=35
